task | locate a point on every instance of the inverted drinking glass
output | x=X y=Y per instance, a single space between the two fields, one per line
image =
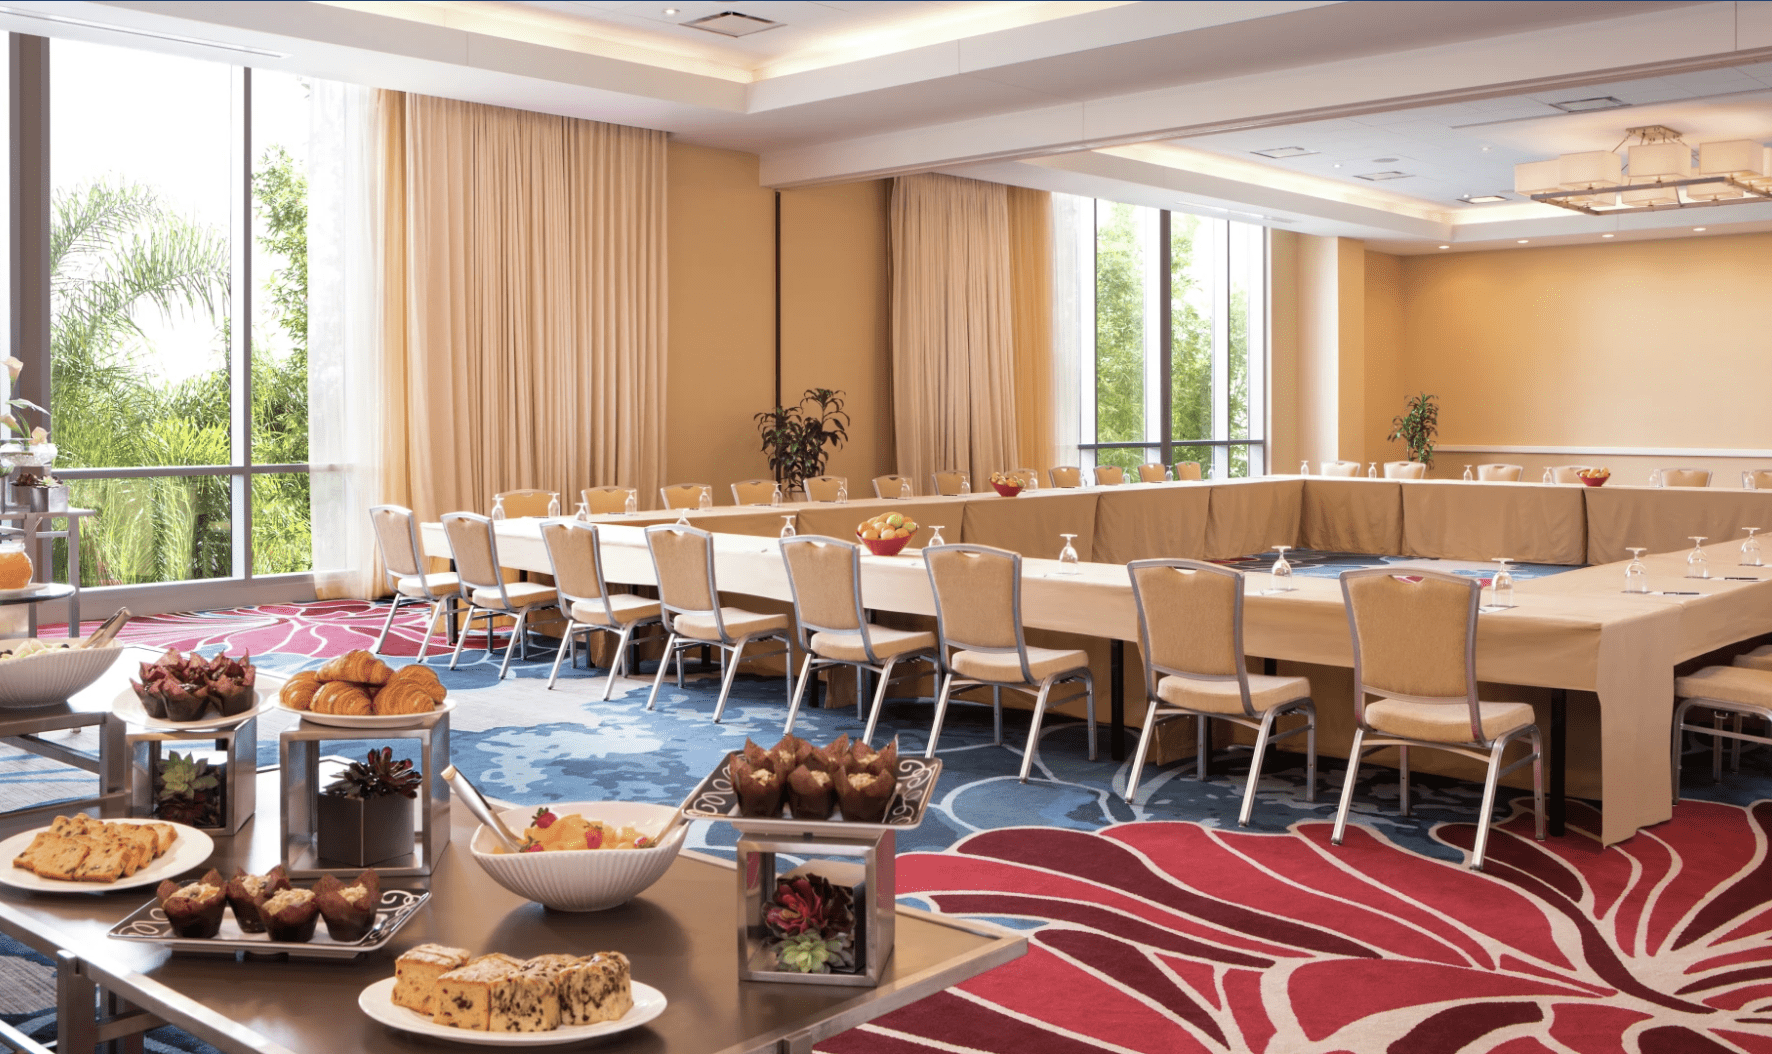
x=1371 y=470
x=1655 y=477
x=706 y=500
x=1636 y=576
x=1750 y=549
x=553 y=504
x=1501 y=587
x=1304 y=468
x=584 y=512
x=775 y=495
x=1467 y=474
x=498 y=507
x=1548 y=478
x=1281 y=572
x=1748 y=482
x=843 y=493
x=632 y=505
x=904 y=488
x=1067 y=557
x=1697 y=565
x=935 y=537
x=787 y=525
x=965 y=484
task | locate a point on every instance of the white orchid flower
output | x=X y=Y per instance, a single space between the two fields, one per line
x=39 y=435
x=11 y=422
x=14 y=367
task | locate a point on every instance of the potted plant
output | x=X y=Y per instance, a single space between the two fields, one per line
x=811 y=925
x=796 y=437
x=364 y=817
x=1416 y=426
x=188 y=791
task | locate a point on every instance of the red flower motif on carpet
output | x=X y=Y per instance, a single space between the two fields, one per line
x=1177 y=937
x=320 y=630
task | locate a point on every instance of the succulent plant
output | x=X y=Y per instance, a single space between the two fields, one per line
x=377 y=776
x=809 y=904
x=810 y=953
x=187 y=791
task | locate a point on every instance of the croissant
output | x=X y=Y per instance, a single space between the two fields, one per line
x=357 y=666
x=299 y=691
x=421 y=677
x=403 y=697
x=341 y=697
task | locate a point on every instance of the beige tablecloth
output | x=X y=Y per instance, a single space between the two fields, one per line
x=1148 y=521
x=1352 y=515
x=1252 y=516
x=1663 y=519
x=1529 y=522
x=1031 y=523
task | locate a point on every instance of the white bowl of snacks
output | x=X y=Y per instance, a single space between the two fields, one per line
x=36 y=673
x=581 y=855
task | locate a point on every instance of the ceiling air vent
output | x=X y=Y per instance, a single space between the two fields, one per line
x=733 y=24
x=1285 y=151
x=1381 y=176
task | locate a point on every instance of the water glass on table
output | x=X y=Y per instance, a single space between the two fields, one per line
x=1636 y=576
x=498 y=507
x=1067 y=557
x=1697 y=564
x=553 y=504
x=706 y=500
x=1467 y=474
x=1501 y=587
x=1280 y=575
x=1750 y=549
x=632 y=505
x=787 y=525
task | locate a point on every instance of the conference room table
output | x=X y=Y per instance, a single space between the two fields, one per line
x=1574 y=632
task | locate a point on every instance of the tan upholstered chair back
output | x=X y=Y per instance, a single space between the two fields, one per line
x=949 y=483
x=396 y=534
x=1685 y=477
x=1065 y=477
x=1152 y=472
x=1404 y=470
x=683 y=558
x=1187 y=470
x=1500 y=473
x=1762 y=479
x=525 y=502
x=890 y=486
x=607 y=501
x=1414 y=637
x=824 y=488
x=1109 y=475
x=573 y=555
x=683 y=495
x=754 y=492
x=977 y=595
x=1343 y=468
x=1568 y=473
x=824 y=576
x=1189 y=618
x=475 y=551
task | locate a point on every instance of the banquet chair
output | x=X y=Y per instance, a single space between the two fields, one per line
x=575 y=558
x=1762 y=479
x=1109 y=475
x=1569 y=473
x=1415 y=646
x=1066 y=477
x=824 y=577
x=894 y=487
x=1500 y=473
x=824 y=488
x=1153 y=472
x=1343 y=468
x=951 y=483
x=753 y=491
x=1187 y=470
x=1032 y=475
x=1405 y=470
x=524 y=502
x=683 y=495
x=1738 y=691
x=1190 y=628
x=606 y=501
x=396 y=535
x=474 y=547
x=978 y=623
x=1685 y=477
x=683 y=559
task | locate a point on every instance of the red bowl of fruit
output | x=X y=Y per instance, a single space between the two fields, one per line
x=887 y=534
x=1596 y=479
x=1008 y=484
x=886 y=546
x=1007 y=490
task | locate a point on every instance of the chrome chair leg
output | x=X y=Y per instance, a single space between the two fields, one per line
x=1347 y=786
x=1138 y=756
x=1202 y=745
x=1089 y=701
x=1485 y=817
x=1403 y=780
x=731 y=671
x=997 y=715
x=618 y=666
x=560 y=653
x=511 y=645
x=884 y=678
x=1680 y=713
x=462 y=637
x=787 y=671
x=1310 y=748
x=1538 y=782
x=1027 y=756
x=1261 y=737
x=664 y=664
x=794 y=703
x=424 y=640
x=393 y=609
x=1735 y=747
x=941 y=711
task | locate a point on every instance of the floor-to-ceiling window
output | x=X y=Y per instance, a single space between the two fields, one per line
x=177 y=279
x=1173 y=366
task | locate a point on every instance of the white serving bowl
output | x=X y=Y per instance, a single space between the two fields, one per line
x=50 y=677
x=592 y=880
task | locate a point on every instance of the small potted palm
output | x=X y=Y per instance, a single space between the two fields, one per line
x=364 y=817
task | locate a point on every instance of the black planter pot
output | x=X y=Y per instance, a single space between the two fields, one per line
x=362 y=832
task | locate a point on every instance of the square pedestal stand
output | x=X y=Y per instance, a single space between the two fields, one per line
x=871 y=875
x=299 y=750
x=239 y=776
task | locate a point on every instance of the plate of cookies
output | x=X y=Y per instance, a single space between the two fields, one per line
x=358 y=690
x=78 y=854
x=500 y=1000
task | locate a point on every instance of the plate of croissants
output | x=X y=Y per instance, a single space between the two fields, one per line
x=358 y=690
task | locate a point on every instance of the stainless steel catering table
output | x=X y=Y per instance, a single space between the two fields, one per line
x=680 y=935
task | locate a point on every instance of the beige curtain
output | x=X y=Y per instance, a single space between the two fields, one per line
x=524 y=315
x=953 y=345
x=1030 y=271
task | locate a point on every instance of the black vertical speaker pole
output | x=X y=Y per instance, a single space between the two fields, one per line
x=778 y=298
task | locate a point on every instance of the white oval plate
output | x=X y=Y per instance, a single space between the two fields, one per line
x=192 y=848
x=377 y=1002
x=128 y=706
x=25 y=591
x=374 y=720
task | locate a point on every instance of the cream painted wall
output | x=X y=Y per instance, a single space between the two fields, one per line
x=1383 y=346
x=1284 y=440
x=1323 y=285
x=722 y=311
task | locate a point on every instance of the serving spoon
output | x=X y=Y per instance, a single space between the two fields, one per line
x=479 y=806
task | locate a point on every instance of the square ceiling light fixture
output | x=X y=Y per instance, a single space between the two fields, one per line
x=733 y=24
x=1378 y=177
x=1600 y=102
x=1284 y=151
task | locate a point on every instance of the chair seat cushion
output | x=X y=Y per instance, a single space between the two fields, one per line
x=1727 y=684
x=1223 y=697
x=1004 y=667
x=627 y=607
x=522 y=595
x=739 y=623
x=441 y=583
x=1758 y=659
x=1445 y=722
x=846 y=647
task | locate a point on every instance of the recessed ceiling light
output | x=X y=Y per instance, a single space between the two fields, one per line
x=1606 y=235
x=1386 y=160
x=1377 y=177
x=732 y=24
x=669 y=11
x=1698 y=228
x=1485 y=150
x=1284 y=151
x=1601 y=102
x=1523 y=241
x=1445 y=246
x=1483 y=199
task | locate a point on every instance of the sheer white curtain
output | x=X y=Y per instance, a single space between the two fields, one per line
x=347 y=404
x=1073 y=317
